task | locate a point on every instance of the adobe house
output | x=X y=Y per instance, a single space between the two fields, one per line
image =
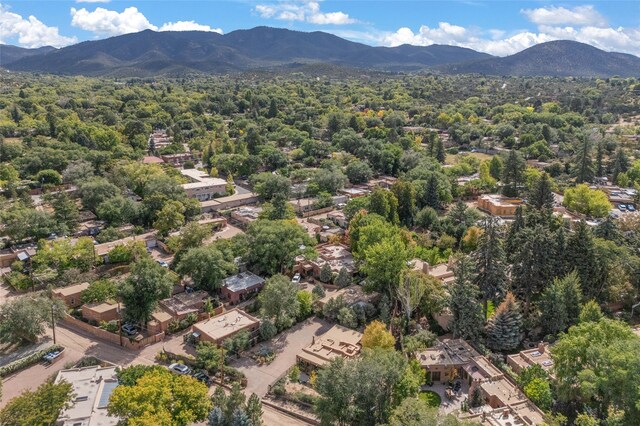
x=72 y=295
x=242 y=286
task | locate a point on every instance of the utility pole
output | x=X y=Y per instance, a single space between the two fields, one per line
x=119 y=324
x=53 y=324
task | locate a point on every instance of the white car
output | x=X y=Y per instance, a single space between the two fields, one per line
x=179 y=369
x=296 y=279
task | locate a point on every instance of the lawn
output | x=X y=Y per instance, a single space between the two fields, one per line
x=431 y=398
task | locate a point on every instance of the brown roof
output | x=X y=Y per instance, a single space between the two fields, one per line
x=71 y=290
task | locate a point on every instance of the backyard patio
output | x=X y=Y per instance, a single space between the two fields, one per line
x=453 y=404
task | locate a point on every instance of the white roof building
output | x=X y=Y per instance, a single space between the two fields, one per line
x=92 y=387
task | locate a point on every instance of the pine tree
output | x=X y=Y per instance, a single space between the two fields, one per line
x=406 y=195
x=216 y=417
x=240 y=418
x=541 y=194
x=431 y=196
x=512 y=174
x=440 y=154
x=495 y=167
x=620 y=164
x=273 y=109
x=325 y=273
x=467 y=319
x=600 y=159
x=254 y=410
x=553 y=312
x=490 y=264
x=584 y=170
x=607 y=229
x=560 y=266
x=581 y=255
x=533 y=263
x=512 y=240
x=343 y=279
x=504 y=330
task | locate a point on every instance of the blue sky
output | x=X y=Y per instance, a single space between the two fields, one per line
x=497 y=27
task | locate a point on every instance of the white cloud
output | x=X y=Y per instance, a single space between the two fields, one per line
x=188 y=26
x=93 y=1
x=104 y=22
x=304 y=10
x=30 y=32
x=109 y=22
x=588 y=26
x=579 y=16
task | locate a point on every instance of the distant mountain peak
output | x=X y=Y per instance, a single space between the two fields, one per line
x=149 y=53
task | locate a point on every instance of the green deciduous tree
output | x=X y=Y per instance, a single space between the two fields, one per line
x=161 y=398
x=363 y=391
x=147 y=283
x=207 y=266
x=585 y=200
x=39 y=407
x=23 y=319
x=274 y=244
x=596 y=365
x=279 y=301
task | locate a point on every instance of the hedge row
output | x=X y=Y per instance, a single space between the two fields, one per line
x=27 y=361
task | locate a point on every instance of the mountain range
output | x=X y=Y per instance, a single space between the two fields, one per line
x=150 y=53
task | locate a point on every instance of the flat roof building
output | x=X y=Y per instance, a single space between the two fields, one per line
x=92 y=387
x=239 y=287
x=182 y=304
x=336 y=256
x=202 y=186
x=72 y=295
x=541 y=355
x=499 y=205
x=338 y=342
x=219 y=328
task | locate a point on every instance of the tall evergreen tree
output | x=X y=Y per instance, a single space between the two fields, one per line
x=560 y=267
x=582 y=255
x=584 y=170
x=406 y=195
x=533 y=263
x=541 y=194
x=512 y=240
x=560 y=304
x=600 y=169
x=504 y=329
x=512 y=174
x=467 y=322
x=490 y=263
x=495 y=167
x=620 y=164
x=431 y=196
x=607 y=229
x=440 y=153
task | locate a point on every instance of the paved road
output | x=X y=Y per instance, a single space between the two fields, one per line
x=286 y=346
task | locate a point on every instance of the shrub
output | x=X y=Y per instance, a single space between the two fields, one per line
x=27 y=361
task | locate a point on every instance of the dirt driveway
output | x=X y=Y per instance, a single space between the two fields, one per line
x=286 y=345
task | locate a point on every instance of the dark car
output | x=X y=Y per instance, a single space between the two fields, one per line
x=130 y=329
x=199 y=375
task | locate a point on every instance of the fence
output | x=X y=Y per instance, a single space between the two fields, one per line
x=111 y=337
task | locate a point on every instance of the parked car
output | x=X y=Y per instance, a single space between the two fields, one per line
x=179 y=368
x=631 y=208
x=130 y=329
x=51 y=356
x=296 y=279
x=622 y=207
x=199 y=375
